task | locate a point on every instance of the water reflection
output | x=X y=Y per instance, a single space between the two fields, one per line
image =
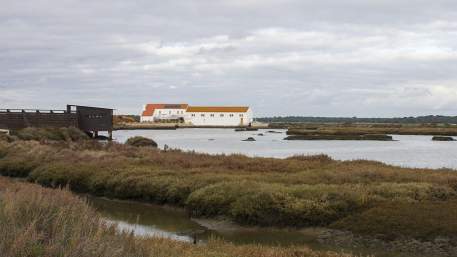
x=153 y=220
x=147 y=219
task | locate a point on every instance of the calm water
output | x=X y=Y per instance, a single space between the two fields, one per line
x=154 y=220
x=150 y=219
x=408 y=151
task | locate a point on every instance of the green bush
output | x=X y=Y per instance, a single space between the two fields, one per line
x=139 y=141
x=216 y=199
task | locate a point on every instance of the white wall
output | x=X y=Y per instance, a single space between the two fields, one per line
x=219 y=118
x=146 y=119
x=164 y=114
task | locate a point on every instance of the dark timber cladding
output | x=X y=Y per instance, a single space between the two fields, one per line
x=88 y=119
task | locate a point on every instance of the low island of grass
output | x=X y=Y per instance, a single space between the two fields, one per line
x=312 y=136
x=367 y=198
x=370 y=128
x=317 y=133
x=442 y=138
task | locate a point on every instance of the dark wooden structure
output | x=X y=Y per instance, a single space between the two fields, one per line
x=88 y=119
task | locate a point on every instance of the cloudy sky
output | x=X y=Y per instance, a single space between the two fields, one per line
x=366 y=58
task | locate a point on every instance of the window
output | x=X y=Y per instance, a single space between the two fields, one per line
x=193 y=114
x=95 y=116
x=222 y=115
x=212 y=115
x=241 y=115
x=231 y=114
x=203 y=115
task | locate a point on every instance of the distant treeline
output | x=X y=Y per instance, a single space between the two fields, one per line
x=419 y=119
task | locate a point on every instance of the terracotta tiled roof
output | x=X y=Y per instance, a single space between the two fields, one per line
x=149 y=110
x=217 y=109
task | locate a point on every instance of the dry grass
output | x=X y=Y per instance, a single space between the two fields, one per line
x=44 y=222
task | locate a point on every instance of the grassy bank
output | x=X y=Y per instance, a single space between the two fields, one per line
x=316 y=136
x=364 y=129
x=37 y=222
x=299 y=191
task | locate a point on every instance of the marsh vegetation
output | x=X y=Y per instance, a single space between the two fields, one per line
x=348 y=129
x=299 y=191
x=53 y=222
x=442 y=138
x=304 y=135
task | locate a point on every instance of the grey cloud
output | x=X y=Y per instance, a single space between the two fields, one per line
x=297 y=57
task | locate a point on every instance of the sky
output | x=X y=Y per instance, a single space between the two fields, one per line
x=364 y=58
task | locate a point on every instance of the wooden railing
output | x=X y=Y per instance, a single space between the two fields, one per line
x=33 y=111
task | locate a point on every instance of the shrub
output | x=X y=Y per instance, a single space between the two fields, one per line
x=216 y=199
x=139 y=141
x=56 y=134
x=6 y=137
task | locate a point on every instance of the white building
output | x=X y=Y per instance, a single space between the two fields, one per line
x=198 y=115
x=163 y=112
x=219 y=116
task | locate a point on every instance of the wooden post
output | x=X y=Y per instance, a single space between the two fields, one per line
x=110 y=135
x=194 y=237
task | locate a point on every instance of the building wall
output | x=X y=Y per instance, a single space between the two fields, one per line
x=219 y=118
x=164 y=114
x=94 y=119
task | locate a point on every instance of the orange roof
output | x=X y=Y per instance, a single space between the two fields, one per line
x=217 y=109
x=150 y=108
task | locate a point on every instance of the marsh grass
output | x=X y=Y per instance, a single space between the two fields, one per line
x=302 y=135
x=423 y=220
x=42 y=222
x=39 y=222
x=298 y=191
x=366 y=129
x=56 y=134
